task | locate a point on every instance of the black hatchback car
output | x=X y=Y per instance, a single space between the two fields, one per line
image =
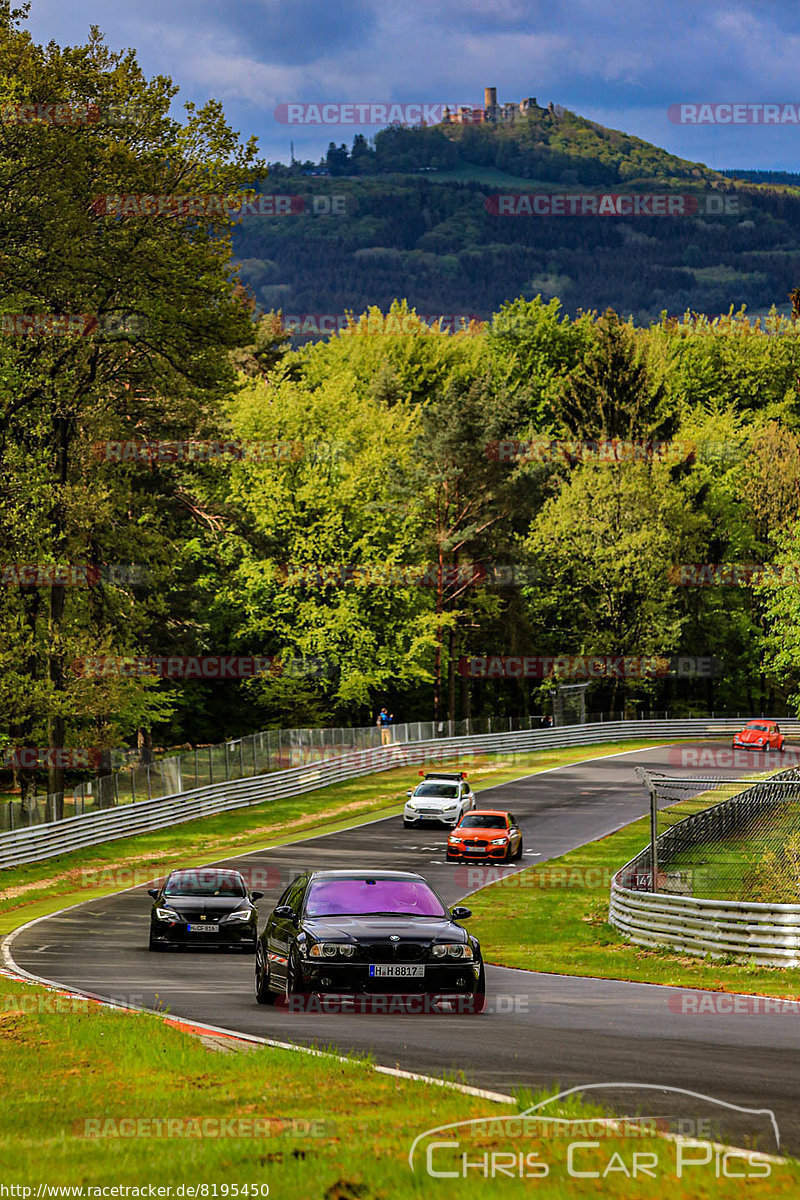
x=204 y=906
x=366 y=932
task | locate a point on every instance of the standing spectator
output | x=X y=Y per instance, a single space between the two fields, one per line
x=383 y=722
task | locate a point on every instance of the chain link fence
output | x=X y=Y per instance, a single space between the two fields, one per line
x=238 y=758
x=742 y=843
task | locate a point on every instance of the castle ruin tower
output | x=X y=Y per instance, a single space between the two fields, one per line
x=490 y=103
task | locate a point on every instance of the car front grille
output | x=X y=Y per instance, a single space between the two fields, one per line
x=377 y=952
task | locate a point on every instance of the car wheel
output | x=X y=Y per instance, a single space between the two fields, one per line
x=518 y=855
x=292 y=976
x=153 y=944
x=450 y=857
x=407 y=824
x=264 y=993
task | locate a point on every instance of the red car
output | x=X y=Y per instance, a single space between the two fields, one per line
x=759 y=735
x=485 y=834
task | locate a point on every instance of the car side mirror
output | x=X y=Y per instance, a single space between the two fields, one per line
x=256 y=895
x=153 y=892
x=409 y=793
x=283 y=910
x=460 y=912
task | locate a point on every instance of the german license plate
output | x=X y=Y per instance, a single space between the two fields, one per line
x=204 y=929
x=395 y=971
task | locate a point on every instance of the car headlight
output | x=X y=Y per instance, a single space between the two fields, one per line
x=241 y=914
x=411 y=805
x=452 y=950
x=499 y=841
x=331 y=950
x=450 y=807
x=166 y=914
x=455 y=841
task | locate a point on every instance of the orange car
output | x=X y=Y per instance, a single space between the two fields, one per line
x=485 y=834
x=759 y=735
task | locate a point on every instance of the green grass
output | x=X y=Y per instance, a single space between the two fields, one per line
x=86 y=1086
x=748 y=865
x=554 y=918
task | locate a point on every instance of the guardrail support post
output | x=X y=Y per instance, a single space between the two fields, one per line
x=653 y=839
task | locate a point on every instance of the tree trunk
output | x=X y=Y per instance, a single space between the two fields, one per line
x=451 y=676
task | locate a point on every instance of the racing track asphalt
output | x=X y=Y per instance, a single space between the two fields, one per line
x=539 y=1030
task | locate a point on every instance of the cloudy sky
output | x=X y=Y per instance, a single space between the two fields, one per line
x=621 y=62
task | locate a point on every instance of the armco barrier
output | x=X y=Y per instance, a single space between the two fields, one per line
x=90 y=829
x=767 y=934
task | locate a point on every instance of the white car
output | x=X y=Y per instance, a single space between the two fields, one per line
x=444 y=798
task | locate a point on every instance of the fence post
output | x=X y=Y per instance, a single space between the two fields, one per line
x=210 y=766
x=133 y=787
x=653 y=839
x=227 y=762
x=149 y=790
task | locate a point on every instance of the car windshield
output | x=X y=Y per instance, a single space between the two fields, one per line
x=760 y=728
x=445 y=791
x=360 y=897
x=484 y=821
x=205 y=883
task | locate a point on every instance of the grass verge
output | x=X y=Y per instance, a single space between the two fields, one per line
x=100 y=1098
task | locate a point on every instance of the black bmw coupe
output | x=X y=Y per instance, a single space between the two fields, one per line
x=366 y=932
x=204 y=906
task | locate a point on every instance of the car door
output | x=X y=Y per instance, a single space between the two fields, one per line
x=514 y=832
x=281 y=931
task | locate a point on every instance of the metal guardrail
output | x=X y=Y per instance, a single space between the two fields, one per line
x=93 y=828
x=767 y=934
